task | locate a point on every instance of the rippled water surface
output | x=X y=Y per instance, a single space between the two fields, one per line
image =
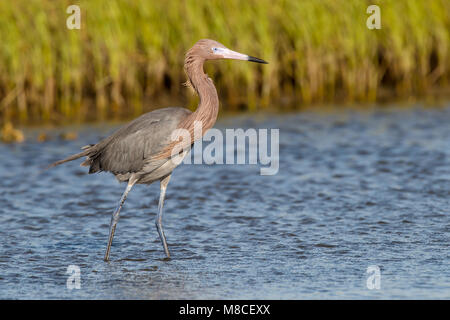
x=354 y=189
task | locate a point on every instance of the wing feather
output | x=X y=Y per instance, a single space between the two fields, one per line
x=130 y=147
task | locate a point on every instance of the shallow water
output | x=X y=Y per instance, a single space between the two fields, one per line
x=354 y=189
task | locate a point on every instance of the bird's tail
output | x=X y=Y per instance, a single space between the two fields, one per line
x=84 y=153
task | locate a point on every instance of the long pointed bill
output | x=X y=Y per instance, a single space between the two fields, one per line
x=230 y=54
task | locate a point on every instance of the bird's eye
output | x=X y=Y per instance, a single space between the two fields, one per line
x=214 y=50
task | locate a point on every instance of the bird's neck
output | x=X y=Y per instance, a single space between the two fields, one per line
x=208 y=107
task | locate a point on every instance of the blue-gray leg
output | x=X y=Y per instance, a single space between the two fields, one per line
x=115 y=217
x=158 y=222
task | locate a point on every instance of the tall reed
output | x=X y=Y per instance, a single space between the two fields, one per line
x=127 y=57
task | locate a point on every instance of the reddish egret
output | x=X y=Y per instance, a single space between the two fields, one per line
x=141 y=151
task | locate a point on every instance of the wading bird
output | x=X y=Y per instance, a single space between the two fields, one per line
x=140 y=152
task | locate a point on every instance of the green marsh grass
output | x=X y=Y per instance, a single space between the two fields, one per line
x=127 y=57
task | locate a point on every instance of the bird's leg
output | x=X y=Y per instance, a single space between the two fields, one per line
x=115 y=217
x=158 y=222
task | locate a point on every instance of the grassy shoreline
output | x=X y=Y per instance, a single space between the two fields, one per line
x=68 y=130
x=127 y=58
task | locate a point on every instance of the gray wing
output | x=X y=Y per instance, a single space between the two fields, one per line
x=126 y=150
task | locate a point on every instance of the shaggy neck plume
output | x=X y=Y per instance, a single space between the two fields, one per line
x=208 y=106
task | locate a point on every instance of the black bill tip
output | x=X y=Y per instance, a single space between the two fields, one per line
x=253 y=59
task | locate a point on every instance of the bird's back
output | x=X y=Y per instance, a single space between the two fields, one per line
x=130 y=148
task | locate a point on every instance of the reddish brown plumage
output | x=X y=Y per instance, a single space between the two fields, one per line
x=208 y=106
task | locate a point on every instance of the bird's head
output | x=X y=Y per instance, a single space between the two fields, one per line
x=207 y=49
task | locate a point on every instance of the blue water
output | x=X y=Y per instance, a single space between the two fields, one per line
x=354 y=189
